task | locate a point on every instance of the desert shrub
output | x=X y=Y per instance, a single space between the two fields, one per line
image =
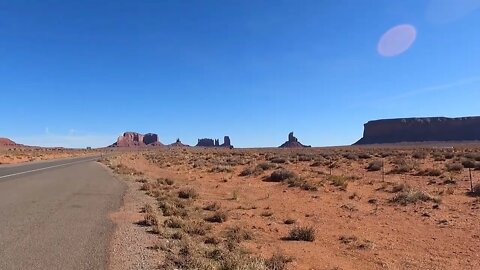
x=264 y=166
x=301 y=183
x=317 y=164
x=238 y=234
x=475 y=192
x=430 y=172
x=221 y=169
x=474 y=156
x=281 y=175
x=468 y=163
x=339 y=181
x=278 y=160
x=248 y=171
x=305 y=157
x=375 y=165
x=401 y=187
x=289 y=221
x=150 y=219
x=188 y=193
x=197 y=227
x=301 y=234
x=350 y=156
x=449 y=155
x=413 y=196
x=402 y=166
x=217 y=217
x=454 y=167
x=174 y=223
x=364 y=156
x=214 y=206
x=278 y=262
x=419 y=155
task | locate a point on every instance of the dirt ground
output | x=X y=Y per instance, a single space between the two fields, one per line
x=19 y=154
x=368 y=208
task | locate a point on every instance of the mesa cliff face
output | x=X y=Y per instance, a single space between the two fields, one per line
x=421 y=130
x=6 y=142
x=133 y=139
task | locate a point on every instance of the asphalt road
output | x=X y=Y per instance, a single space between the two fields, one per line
x=54 y=215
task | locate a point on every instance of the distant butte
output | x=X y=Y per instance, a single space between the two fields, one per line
x=427 y=129
x=214 y=143
x=178 y=143
x=293 y=142
x=133 y=139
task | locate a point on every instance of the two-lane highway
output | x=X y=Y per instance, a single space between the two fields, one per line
x=54 y=215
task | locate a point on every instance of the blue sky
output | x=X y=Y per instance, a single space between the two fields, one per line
x=79 y=73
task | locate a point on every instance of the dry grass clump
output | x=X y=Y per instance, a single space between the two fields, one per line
x=413 y=196
x=301 y=234
x=339 y=181
x=419 y=155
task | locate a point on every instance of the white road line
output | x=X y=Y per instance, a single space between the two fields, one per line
x=46 y=168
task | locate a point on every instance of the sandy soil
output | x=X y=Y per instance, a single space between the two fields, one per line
x=357 y=224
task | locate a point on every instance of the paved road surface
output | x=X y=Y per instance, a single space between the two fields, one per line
x=54 y=215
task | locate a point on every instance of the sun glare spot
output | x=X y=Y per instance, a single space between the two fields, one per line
x=397 y=40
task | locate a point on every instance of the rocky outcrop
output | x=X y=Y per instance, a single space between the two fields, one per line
x=133 y=139
x=421 y=130
x=7 y=142
x=292 y=142
x=205 y=142
x=178 y=143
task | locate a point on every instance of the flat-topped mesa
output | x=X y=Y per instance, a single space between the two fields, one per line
x=428 y=129
x=7 y=142
x=205 y=142
x=134 y=139
x=292 y=142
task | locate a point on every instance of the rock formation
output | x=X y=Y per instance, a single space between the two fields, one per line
x=421 y=130
x=214 y=143
x=6 y=142
x=133 y=139
x=178 y=143
x=292 y=142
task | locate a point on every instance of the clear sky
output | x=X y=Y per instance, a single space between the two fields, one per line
x=79 y=73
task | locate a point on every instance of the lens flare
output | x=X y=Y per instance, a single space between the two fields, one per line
x=397 y=40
